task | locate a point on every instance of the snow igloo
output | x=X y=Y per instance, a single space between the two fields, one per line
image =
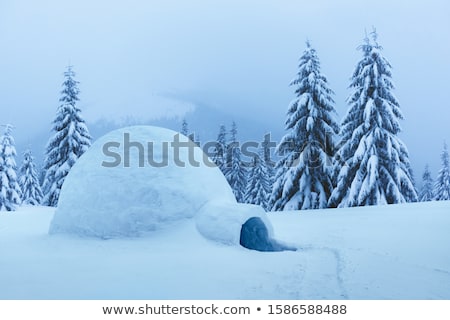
x=138 y=180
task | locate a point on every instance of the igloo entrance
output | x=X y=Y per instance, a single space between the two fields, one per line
x=255 y=236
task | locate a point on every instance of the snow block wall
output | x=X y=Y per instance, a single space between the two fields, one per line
x=132 y=182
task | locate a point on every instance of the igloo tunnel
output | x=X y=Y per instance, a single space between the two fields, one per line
x=255 y=236
x=138 y=180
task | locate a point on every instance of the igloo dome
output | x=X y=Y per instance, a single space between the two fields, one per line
x=137 y=180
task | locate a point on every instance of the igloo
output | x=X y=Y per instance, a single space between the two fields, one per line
x=138 y=180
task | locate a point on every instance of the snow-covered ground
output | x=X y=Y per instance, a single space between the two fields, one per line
x=386 y=252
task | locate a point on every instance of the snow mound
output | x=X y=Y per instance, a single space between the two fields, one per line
x=135 y=180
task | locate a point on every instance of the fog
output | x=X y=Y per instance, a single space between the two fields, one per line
x=145 y=60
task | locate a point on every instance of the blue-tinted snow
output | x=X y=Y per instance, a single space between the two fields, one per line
x=386 y=252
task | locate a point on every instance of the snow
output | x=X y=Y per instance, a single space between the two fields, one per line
x=223 y=221
x=129 y=199
x=373 y=132
x=386 y=252
x=134 y=199
x=308 y=118
x=309 y=123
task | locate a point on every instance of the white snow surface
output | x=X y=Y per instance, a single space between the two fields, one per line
x=386 y=252
x=136 y=198
x=222 y=221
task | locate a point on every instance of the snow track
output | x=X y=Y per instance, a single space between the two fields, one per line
x=323 y=274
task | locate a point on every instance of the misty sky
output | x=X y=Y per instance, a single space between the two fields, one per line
x=151 y=59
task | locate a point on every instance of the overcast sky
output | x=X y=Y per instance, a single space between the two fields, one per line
x=150 y=59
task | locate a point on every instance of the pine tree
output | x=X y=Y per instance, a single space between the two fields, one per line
x=375 y=166
x=426 y=193
x=442 y=185
x=185 y=131
x=29 y=181
x=9 y=187
x=70 y=141
x=41 y=178
x=184 y=128
x=269 y=165
x=197 y=140
x=303 y=179
x=219 y=152
x=259 y=185
x=234 y=170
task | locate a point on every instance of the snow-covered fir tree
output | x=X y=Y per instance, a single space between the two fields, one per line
x=234 y=170
x=374 y=165
x=197 y=140
x=185 y=131
x=442 y=184
x=41 y=177
x=219 y=152
x=259 y=182
x=9 y=186
x=269 y=165
x=70 y=140
x=303 y=179
x=29 y=181
x=426 y=192
x=184 y=128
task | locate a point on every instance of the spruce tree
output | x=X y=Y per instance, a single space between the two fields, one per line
x=219 y=152
x=70 y=140
x=184 y=128
x=9 y=186
x=29 y=181
x=303 y=179
x=442 y=185
x=191 y=137
x=185 y=131
x=234 y=170
x=269 y=166
x=426 y=193
x=197 y=140
x=374 y=162
x=259 y=183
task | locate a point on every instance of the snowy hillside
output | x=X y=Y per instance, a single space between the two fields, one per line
x=389 y=252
